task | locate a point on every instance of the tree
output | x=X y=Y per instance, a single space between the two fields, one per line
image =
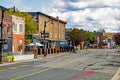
x=30 y=24
x=76 y=36
x=116 y=38
x=91 y=37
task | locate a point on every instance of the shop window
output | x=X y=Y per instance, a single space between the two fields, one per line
x=19 y=47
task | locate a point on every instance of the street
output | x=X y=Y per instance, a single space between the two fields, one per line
x=91 y=64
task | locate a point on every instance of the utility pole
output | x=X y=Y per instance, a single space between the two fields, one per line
x=1 y=36
x=45 y=54
x=44 y=32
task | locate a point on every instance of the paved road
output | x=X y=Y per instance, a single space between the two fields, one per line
x=97 y=64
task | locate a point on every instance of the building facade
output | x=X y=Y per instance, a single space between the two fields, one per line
x=13 y=33
x=18 y=34
x=55 y=29
x=109 y=40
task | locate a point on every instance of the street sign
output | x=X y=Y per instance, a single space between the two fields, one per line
x=46 y=35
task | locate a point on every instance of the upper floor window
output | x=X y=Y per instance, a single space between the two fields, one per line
x=51 y=24
x=8 y=30
x=50 y=35
x=14 y=27
x=20 y=28
x=41 y=21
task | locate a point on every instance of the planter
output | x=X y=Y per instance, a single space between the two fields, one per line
x=8 y=59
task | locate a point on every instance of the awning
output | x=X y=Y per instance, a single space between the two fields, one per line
x=64 y=45
x=35 y=44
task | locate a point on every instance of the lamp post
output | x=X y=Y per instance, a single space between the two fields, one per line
x=45 y=23
x=1 y=30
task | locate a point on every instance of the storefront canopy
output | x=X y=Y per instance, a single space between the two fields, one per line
x=64 y=45
x=35 y=44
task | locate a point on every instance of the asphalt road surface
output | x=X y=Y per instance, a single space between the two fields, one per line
x=94 y=64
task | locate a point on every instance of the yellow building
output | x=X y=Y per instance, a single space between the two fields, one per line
x=109 y=35
x=54 y=29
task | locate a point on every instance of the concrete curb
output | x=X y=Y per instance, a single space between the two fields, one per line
x=39 y=58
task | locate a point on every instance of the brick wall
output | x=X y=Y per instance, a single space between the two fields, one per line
x=18 y=43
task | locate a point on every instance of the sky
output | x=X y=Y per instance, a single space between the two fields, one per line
x=90 y=15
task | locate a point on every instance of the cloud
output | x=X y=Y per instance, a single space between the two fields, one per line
x=88 y=14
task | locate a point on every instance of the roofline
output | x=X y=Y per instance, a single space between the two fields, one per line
x=40 y=13
x=57 y=19
x=51 y=17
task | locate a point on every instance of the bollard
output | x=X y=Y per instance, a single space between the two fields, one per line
x=40 y=51
x=50 y=50
x=46 y=51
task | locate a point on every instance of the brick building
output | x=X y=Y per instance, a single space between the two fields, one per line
x=13 y=32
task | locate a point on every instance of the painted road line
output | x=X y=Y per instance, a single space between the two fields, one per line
x=56 y=66
x=66 y=56
x=12 y=68
x=23 y=65
x=2 y=70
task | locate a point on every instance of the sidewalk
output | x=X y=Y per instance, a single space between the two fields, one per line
x=39 y=57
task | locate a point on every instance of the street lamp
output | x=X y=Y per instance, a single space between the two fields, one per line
x=45 y=35
x=1 y=30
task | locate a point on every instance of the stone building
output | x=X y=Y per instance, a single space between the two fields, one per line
x=54 y=30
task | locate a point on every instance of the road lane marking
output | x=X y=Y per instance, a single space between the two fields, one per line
x=23 y=65
x=12 y=68
x=2 y=70
x=56 y=66
x=66 y=56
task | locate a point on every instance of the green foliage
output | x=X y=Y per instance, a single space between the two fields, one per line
x=30 y=24
x=91 y=37
x=27 y=39
x=76 y=36
x=116 y=38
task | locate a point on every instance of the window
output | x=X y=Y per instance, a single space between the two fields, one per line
x=41 y=21
x=51 y=35
x=19 y=47
x=20 y=28
x=8 y=30
x=14 y=27
x=51 y=24
x=56 y=35
x=63 y=36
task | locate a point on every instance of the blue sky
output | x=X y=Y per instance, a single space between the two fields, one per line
x=26 y=5
x=90 y=15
